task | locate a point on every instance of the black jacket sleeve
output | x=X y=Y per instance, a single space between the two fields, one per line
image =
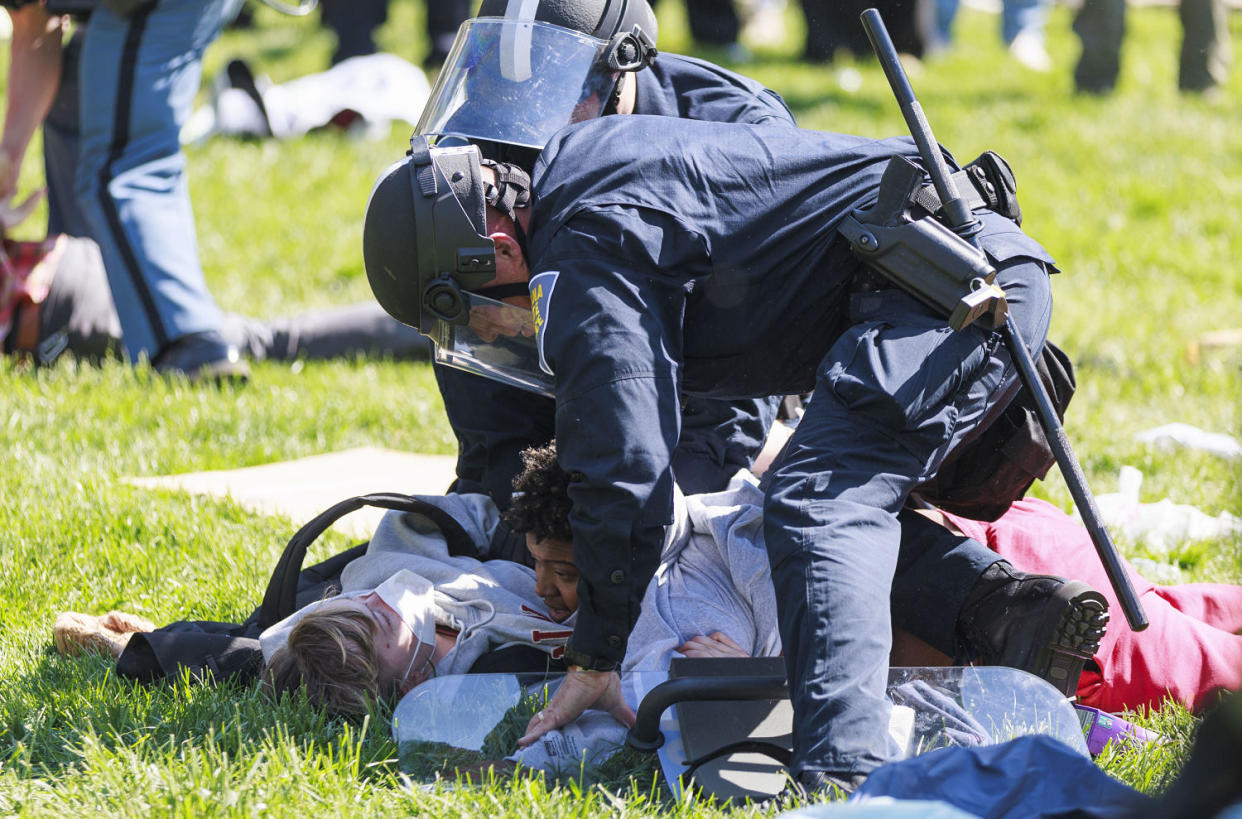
x=611 y=333
x=493 y=423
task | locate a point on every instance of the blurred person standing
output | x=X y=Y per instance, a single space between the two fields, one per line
x=1205 y=54
x=140 y=69
x=1022 y=29
x=50 y=73
x=443 y=19
x=716 y=23
x=833 y=25
x=354 y=22
x=34 y=74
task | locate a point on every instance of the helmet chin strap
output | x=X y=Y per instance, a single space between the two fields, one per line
x=510 y=191
x=613 y=106
x=500 y=292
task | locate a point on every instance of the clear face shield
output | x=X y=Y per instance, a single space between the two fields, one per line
x=497 y=342
x=518 y=82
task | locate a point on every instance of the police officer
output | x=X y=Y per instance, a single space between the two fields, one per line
x=521 y=71
x=518 y=73
x=705 y=259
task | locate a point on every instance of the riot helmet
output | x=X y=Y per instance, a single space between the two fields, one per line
x=524 y=69
x=430 y=261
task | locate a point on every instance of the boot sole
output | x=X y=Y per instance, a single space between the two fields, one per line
x=222 y=372
x=1068 y=635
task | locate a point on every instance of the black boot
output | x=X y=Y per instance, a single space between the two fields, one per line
x=820 y=786
x=202 y=357
x=1045 y=625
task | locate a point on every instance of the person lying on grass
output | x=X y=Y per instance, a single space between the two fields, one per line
x=485 y=605
x=711 y=595
x=55 y=299
x=725 y=604
x=540 y=512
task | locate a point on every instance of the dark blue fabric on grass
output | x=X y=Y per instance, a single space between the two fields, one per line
x=1033 y=776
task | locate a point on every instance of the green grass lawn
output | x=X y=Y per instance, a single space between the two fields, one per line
x=1137 y=195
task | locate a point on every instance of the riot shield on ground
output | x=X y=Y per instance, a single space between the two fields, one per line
x=457 y=722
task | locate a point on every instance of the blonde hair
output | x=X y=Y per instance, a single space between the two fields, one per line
x=331 y=653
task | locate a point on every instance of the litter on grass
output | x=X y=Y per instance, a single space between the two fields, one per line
x=1178 y=435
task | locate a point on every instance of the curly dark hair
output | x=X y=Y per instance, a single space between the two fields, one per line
x=541 y=501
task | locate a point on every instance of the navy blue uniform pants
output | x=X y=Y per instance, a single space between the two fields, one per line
x=894 y=394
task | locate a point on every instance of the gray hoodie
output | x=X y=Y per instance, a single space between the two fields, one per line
x=490 y=604
x=713 y=576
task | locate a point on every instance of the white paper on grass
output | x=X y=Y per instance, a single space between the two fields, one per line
x=1162 y=525
x=1172 y=436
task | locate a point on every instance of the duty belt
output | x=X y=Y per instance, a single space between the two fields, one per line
x=987 y=182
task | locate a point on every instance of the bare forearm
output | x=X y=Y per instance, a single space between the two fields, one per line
x=34 y=74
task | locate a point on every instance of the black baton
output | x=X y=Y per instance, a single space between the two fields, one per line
x=963 y=222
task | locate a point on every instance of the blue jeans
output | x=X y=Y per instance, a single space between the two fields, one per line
x=139 y=76
x=894 y=394
x=1017 y=16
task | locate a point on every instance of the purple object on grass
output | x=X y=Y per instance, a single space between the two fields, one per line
x=1100 y=728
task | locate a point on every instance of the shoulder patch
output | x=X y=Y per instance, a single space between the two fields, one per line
x=541 y=287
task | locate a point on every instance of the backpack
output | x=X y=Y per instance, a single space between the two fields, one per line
x=214 y=651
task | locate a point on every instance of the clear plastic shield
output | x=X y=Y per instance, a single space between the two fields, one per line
x=518 y=82
x=463 y=720
x=498 y=343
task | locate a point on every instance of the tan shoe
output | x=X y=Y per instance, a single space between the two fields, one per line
x=75 y=634
x=123 y=622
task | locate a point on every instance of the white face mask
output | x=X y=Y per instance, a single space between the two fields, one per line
x=412 y=598
x=406 y=593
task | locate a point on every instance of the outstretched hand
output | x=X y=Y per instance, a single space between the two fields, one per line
x=580 y=690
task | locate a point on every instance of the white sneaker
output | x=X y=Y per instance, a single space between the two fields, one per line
x=1028 y=49
x=765 y=26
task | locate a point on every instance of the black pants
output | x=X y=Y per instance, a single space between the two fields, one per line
x=712 y=22
x=355 y=21
x=1205 y=53
x=833 y=25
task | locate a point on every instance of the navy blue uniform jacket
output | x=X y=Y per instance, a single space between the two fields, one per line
x=494 y=422
x=688 y=258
